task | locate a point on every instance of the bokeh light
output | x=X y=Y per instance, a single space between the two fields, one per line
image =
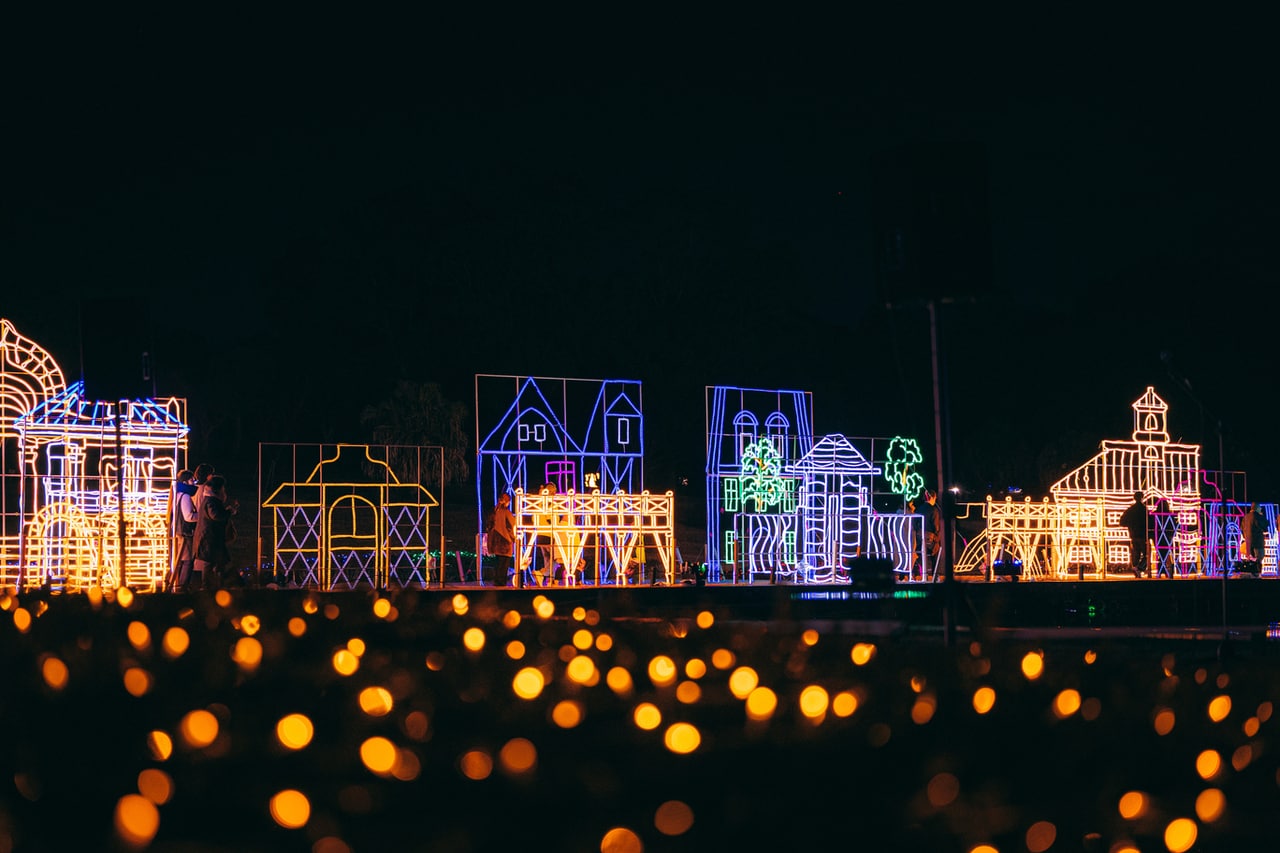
x=942 y=790
x=619 y=681
x=294 y=731
x=567 y=713
x=862 y=653
x=647 y=716
x=476 y=765
x=662 y=671
x=376 y=701
x=137 y=681
x=199 y=728
x=673 y=818
x=1032 y=665
x=814 y=702
x=291 y=809
x=1040 y=836
x=54 y=672
x=984 y=699
x=1219 y=708
x=742 y=681
x=518 y=756
x=1210 y=804
x=136 y=820
x=682 y=738
x=528 y=683
x=155 y=785
x=1208 y=764
x=378 y=754
x=620 y=840
x=1066 y=703
x=345 y=663
x=473 y=639
x=761 y=703
x=1180 y=835
x=1133 y=805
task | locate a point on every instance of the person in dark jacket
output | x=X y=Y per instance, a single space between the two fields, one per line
x=1253 y=539
x=1134 y=520
x=211 y=537
x=499 y=539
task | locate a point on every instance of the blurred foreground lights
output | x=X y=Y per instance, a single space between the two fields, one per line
x=518 y=756
x=621 y=840
x=345 y=663
x=862 y=653
x=175 y=643
x=604 y=642
x=566 y=714
x=619 y=681
x=434 y=661
x=250 y=624
x=743 y=681
x=473 y=639
x=290 y=809
x=705 y=619
x=511 y=619
x=1241 y=758
x=1090 y=657
x=809 y=637
x=923 y=709
x=382 y=608
x=54 y=672
x=294 y=731
x=1066 y=703
x=844 y=703
x=1133 y=805
x=515 y=650
x=814 y=702
x=356 y=646
x=476 y=765
x=222 y=598
x=139 y=636
x=137 y=681
x=544 y=607
x=1210 y=805
x=673 y=818
x=722 y=659
x=582 y=670
x=1208 y=764
x=1040 y=836
x=22 y=620
x=528 y=683
x=198 y=729
x=379 y=755
x=137 y=819
x=417 y=725
x=688 y=692
x=695 y=668
x=1033 y=665
x=942 y=790
x=682 y=738
x=647 y=716
x=984 y=848
x=1180 y=835
x=984 y=699
x=461 y=605
x=247 y=653
x=761 y=704
x=155 y=785
x=1219 y=708
x=582 y=639
x=160 y=745
x=1164 y=721
x=376 y=701
x=124 y=597
x=662 y=671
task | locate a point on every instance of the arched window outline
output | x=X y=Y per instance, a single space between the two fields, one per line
x=745 y=427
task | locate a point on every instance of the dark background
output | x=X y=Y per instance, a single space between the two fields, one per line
x=291 y=212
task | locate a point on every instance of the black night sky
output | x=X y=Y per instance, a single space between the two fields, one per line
x=314 y=208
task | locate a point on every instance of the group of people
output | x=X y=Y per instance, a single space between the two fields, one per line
x=1143 y=524
x=202 y=527
x=500 y=537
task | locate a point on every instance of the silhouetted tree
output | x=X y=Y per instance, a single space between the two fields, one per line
x=417 y=414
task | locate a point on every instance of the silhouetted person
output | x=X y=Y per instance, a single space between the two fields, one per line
x=1253 y=539
x=1166 y=537
x=1134 y=519
x=500 y=539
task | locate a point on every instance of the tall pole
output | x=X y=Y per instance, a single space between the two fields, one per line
x=1222 y=523
x=948 y=577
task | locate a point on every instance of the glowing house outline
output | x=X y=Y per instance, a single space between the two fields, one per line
x=1077 y=531
x=96 y=468
x=337 y=530
x=532 y=431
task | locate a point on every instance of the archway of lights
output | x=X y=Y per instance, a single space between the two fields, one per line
x=351 y=520
x=599 y=532
x=582 y=435
x=1076 y=532
x=781 y=504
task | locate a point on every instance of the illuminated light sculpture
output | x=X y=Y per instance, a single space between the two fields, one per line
x=98 y=470
x=780 y=505
x=900 y=467
x=352 y=521
x=754 y=534
x=577 y=434
x=1077 y=532
x=605 y=527
x=29 y=376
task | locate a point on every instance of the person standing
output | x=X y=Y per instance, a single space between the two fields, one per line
x=1134 y=520
x=1253 y=539
x=501 y=539
x=184 y=528
x=932 y=530
x=211 y=555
